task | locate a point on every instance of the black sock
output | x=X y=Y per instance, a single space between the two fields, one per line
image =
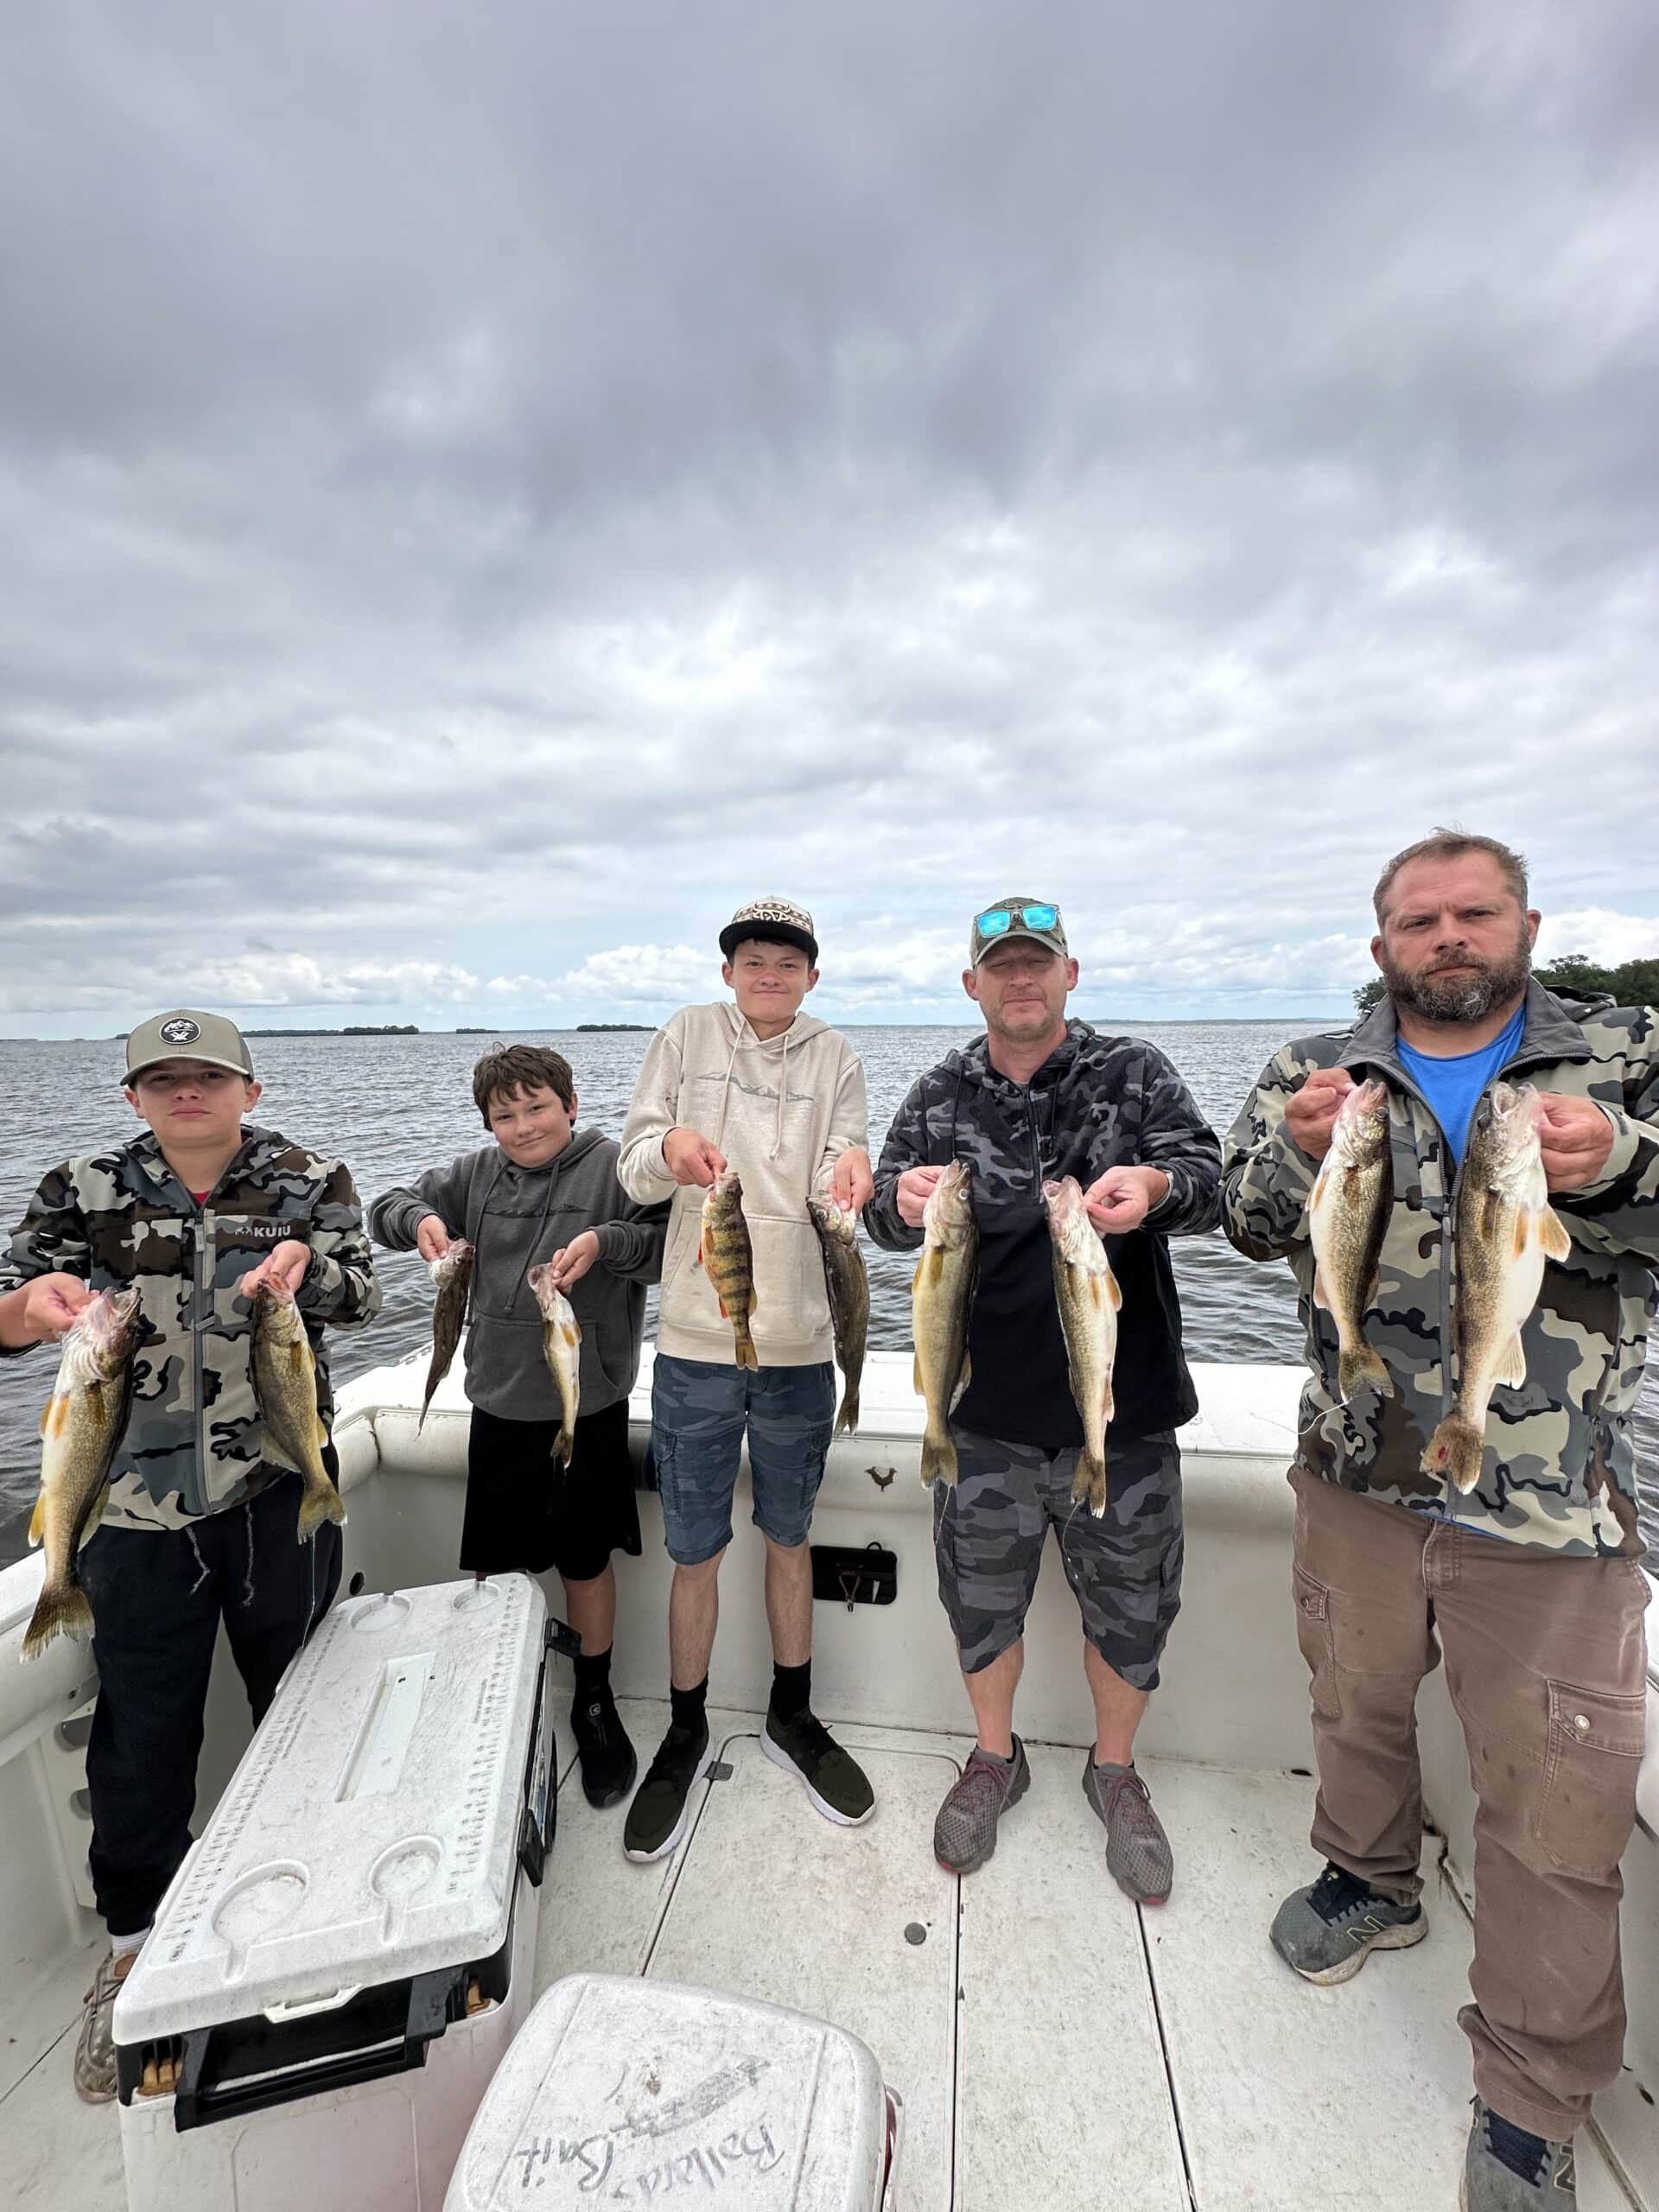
x=791 y=1690
x=593 y=1673
x=687 y=1706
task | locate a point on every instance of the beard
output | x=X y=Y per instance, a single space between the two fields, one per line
x=1460 y=998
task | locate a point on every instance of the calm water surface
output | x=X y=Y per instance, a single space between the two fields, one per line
x=392 y=1106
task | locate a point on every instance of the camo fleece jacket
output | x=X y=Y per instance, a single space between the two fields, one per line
x=195 y=1443
x=1559 y=1472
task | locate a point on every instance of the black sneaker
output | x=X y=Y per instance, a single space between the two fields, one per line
x=833 y=1780
x=608 y=1764
x=656 y=1818
x=1329 y=1930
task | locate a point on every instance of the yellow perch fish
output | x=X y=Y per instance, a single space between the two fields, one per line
x=285 y=1385
x=1347 y=1215
x=561 y=1342
x=848 y=1288
x=1086 y=1291
x=941 y=1299
x=452 y=1275
x=728 y=1262
x=84 y=1420
x=1504 y=1230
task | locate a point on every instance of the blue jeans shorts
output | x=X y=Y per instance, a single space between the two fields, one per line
x=699 y=1411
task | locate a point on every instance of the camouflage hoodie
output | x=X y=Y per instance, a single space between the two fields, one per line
x=1559 y=1472
x=195 y=1443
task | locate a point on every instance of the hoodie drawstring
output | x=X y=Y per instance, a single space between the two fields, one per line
x=783 y=1087
x=726 y=1087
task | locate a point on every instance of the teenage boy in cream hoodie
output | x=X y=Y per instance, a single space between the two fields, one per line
x=759 y=1086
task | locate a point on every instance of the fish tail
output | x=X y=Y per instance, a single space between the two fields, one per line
x=1456 y=1449
x=1362 y=1368
x=563 y=1445
x=746 y=1354
x=61 y=1610
x=1089 y=1482
x=939 y=1455
x=848 y=1417
x=321 y=1502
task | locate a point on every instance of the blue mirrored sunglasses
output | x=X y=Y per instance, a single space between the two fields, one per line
x=996 y=921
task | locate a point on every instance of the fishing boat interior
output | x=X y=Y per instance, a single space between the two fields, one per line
x=1053 y=2045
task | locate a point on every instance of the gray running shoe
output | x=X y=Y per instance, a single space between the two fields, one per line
x=833 y=1780
x=95 y=2045
x=1506 y=2170
x=1138 y=1856
x=964 y=1834
x=1328 y=1930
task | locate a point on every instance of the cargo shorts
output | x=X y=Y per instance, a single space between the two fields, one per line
x=700 y=1411
x=1124 y=1569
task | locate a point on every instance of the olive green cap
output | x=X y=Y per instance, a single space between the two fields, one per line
x=983 y=941
x=185 y=1034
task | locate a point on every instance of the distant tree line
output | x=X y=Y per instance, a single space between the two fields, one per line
x=1575 y=976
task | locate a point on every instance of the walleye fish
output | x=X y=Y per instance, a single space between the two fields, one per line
x=1347 y=1215
x=940 y=1298
x=1086 y=1291
x=849 y=1290
x=453 y=1274
x=726 y=1259
x=84 y=1421
x=1504 y=1230
x=561 y=1342
x=285 y=1385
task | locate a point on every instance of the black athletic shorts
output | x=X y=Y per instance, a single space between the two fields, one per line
x=524 y=1510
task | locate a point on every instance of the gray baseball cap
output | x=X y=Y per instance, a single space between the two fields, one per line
x=186 y=1034
x=1004 y=919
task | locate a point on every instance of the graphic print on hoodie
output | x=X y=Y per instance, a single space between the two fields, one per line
x=782 y=1109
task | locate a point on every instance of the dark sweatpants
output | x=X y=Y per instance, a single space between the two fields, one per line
x=157 y=1597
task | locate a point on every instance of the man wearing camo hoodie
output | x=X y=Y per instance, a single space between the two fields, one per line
x=1528 y=1587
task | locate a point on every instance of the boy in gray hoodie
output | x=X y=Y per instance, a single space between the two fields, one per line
x=546 y=1191
x=760 y=1086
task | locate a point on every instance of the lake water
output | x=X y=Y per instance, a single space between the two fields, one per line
x=392 y=1106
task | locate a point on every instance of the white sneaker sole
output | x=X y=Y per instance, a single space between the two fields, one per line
x=672 y=1841
x=779 y=1757
x=1391 y=1939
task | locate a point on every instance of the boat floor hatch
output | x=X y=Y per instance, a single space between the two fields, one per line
x=1053 y=2046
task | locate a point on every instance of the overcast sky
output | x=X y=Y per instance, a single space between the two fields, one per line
x=484 y=490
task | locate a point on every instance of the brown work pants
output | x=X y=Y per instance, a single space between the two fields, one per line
x=1546 y=1662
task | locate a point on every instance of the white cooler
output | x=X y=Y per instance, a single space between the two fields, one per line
x=619 y=2091
x=344 y=1957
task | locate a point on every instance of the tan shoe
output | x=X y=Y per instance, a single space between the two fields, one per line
x=95 y=2045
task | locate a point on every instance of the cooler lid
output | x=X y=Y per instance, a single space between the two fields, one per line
x=618 y=2090
x=372 y=1830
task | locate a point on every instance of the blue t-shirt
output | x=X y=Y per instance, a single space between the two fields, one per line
x=1453 y=1087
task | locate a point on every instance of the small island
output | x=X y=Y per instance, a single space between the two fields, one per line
x=352 y=1029
x=613 y=1028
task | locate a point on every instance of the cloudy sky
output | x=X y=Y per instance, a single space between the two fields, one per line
x=483 y=489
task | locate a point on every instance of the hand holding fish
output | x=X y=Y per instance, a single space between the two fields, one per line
x=1121 y=1200
x=912 y=1193
x=50 y=1305
x=1310 y=1113
x=690 y=1158
x=1575 y=1140
x=283 y=1267
x=851 y=1182
x=572 y=1261
x=432 y=1239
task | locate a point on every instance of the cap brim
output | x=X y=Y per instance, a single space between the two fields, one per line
x=736 y=933
x=1049 y=943
x=199 y=1059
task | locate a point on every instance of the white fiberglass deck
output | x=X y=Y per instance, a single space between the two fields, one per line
x=1055 y=2049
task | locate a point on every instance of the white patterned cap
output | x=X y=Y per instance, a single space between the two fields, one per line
x=775 y=921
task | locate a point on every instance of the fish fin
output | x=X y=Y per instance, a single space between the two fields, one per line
x=720 y=1302
x=62 y=1611
x=1095 y=1292
x=747 y=1355
x=37 y=1518
x=1114 y=1292
x=916 y=1381
x=94 y=1516
x=54 y=1415
x=570 y=1332
x=319 y=1502
x=565 y=1445
x=934 y=1263
x=1456 y=1450
x=1512 y=1368
x=1557 y=1245
x=1363 y=1370
x=965 y=1376
x=848 y=1417
x=1321 y=1298
x=938 y=1456
x=1089 y=1482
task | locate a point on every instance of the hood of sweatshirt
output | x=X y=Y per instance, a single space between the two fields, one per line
x=774 y=1053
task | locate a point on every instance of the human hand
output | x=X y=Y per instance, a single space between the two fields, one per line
x=1575 y=1140
x=51 y=1304
x=912 y=1193
x=690 y=1158
x=572 y=1261
x=1310 y=1113
x=1122 y=1198
x=851 y=1182
x=432 y=1239
x=283 y=1267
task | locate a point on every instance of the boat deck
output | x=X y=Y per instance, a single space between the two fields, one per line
x=1053 y=2046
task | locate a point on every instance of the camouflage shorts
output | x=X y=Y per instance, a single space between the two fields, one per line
x=1124 y=1569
